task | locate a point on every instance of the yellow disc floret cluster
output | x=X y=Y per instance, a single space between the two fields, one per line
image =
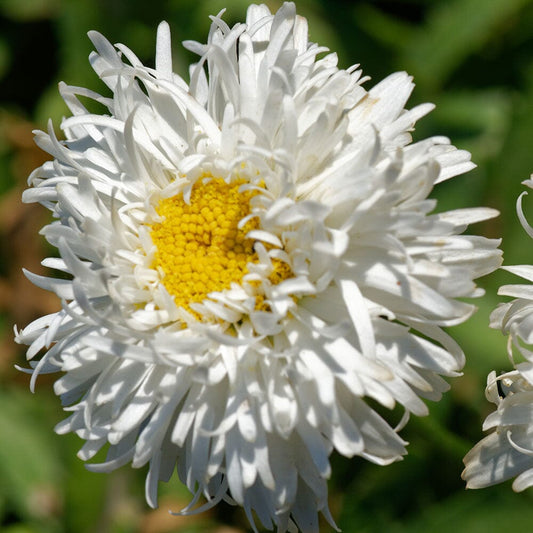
x=200 y=248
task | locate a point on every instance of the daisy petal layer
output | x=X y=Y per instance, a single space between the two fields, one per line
x=329 y=279
x=507 y=451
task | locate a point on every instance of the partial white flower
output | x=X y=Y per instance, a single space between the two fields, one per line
x=247 y=257
x=508 y=451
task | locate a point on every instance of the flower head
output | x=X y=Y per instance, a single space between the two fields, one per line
x=508 y=450
x=249 y=257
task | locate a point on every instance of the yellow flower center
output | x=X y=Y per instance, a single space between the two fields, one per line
x=200 y=248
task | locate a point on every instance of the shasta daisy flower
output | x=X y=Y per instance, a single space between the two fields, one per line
x=508 y=450
x=248 y=258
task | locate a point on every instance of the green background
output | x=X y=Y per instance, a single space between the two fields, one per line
x=473 y=58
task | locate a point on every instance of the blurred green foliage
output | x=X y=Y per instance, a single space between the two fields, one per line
x=473 y=58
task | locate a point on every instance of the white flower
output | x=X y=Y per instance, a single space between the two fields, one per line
x=249 y=257
x=508 y=451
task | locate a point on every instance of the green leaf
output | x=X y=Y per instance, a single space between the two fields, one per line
x=455 y=30
x=383 y=28
x=476 y=512
x=30 y=465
